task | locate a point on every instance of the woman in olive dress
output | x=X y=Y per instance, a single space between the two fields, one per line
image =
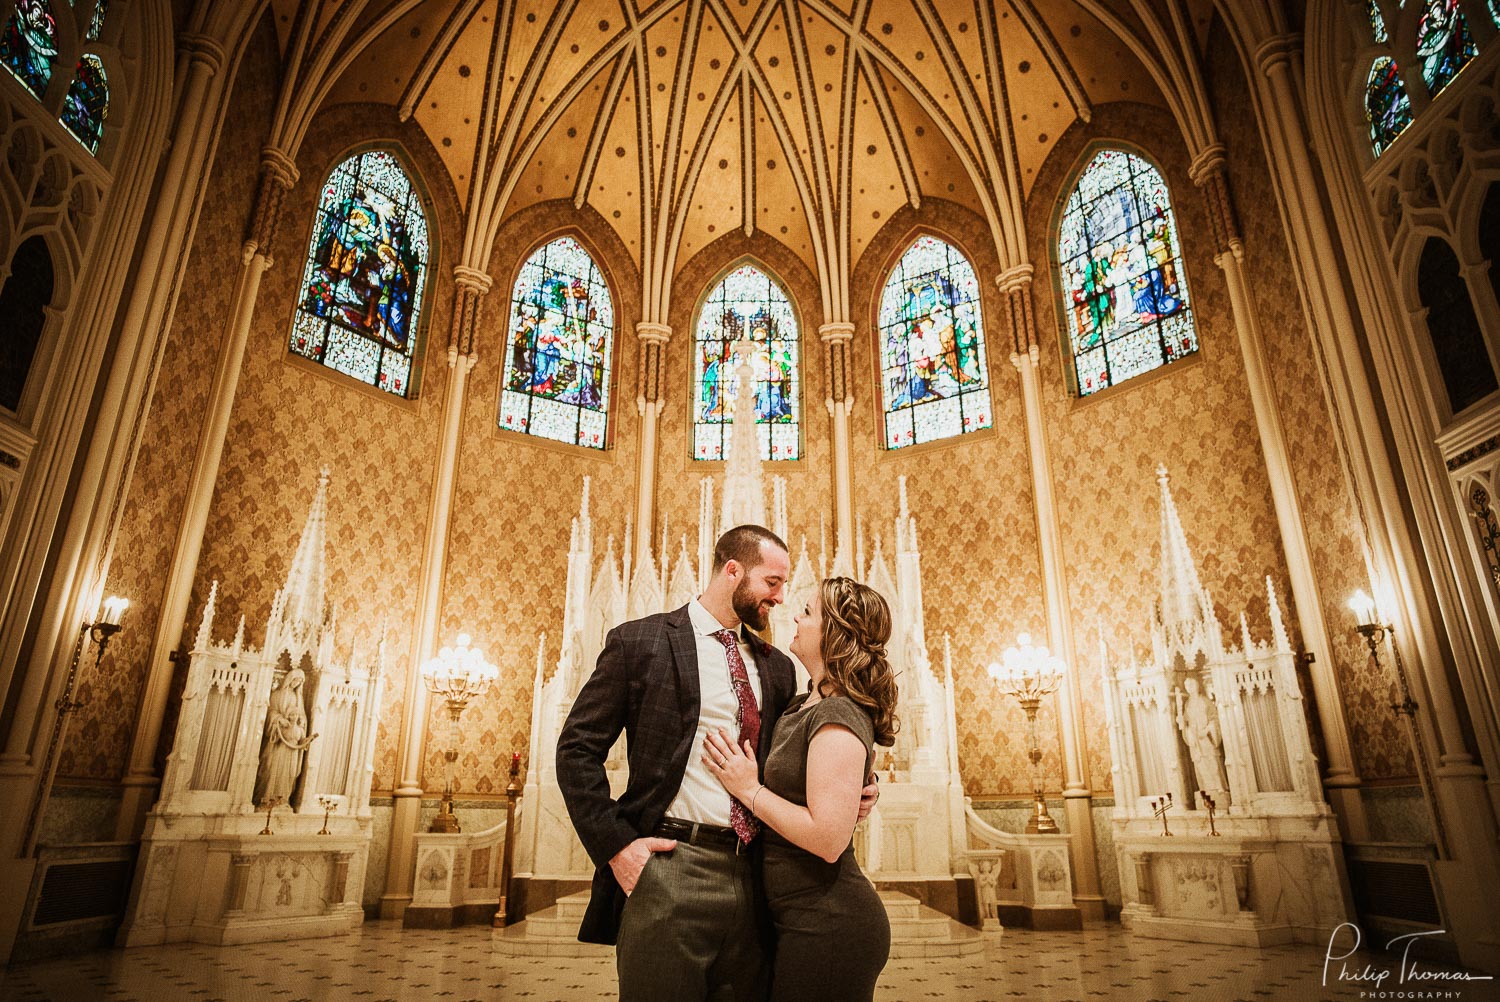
x=832 y=935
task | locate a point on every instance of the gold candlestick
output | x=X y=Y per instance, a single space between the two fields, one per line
x=1209 y=803
x=269 y=805
x=1159 y=808
x=328 y=804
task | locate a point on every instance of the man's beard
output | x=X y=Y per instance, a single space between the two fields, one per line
x=747 y=608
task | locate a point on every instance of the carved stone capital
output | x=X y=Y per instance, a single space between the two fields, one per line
x=836 y=332
x=1277 y=51
x=278 y=165
x=1208 y=160
x=203 y=51
x=472 y=278
x=1031 y=356
x=654 y=333
x=1017 y=277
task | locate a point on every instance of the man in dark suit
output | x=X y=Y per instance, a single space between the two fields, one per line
x=675 y=887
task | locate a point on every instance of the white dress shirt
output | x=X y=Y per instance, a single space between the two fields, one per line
x=701 y=797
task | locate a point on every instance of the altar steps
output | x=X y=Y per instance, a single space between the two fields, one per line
x=916 y=931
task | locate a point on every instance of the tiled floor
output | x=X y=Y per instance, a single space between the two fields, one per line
x=385 y=961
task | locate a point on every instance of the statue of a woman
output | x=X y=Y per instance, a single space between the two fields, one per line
x=1198 y=720
x=285 y=742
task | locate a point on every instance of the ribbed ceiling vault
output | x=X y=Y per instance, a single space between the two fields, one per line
x=679 y=120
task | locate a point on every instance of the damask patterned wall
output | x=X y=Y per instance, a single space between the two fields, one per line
x=98 y=741
x=1334 y=531
x=1194 y=416
x=291 y=419
x=515 y=500
x=971 y=496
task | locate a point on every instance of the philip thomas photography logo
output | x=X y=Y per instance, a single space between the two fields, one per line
x=1404 y=978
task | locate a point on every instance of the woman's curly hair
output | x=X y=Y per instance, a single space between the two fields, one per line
x=856 y=626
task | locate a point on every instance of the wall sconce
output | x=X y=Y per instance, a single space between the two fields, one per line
x=458 y=674
x=100 y=632
x=1368 y=621
x=1029 y=674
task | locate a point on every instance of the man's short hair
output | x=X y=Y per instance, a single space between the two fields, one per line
x=742 y=544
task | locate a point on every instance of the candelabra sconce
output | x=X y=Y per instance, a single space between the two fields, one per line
x=457 y=674
x=512 y=792
x=100 y=632
x=1367 y=620
x=1208 y=802
x=1030 y=674
x=1159 y=809
x=269 y=804
x=329 y=804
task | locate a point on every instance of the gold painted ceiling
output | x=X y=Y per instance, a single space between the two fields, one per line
x=679 y=120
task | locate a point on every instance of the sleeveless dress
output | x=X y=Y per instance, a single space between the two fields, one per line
x=832 y=935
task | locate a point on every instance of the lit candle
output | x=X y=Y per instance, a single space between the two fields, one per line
x=1363 y=607
x=114 y=608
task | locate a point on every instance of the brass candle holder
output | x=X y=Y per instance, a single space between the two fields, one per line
x=512 y=791
x=328 y=804
x=1159 y=808
x=1208 y=802
x=457 y=674
x=1030 y=674
x=270 y=805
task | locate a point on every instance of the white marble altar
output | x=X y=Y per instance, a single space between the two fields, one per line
x=285 y=728
x=1202 y=717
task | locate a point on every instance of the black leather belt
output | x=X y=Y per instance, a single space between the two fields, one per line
x=697 y=833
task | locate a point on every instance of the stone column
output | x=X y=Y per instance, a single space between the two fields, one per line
x=1468 y=868
x=277 y=176
x=836 y=339
x=648 y=403
x=1340 y=779
x=470 y=287
x=1015 y=286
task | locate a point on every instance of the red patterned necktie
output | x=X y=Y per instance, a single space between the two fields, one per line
x=740 y=819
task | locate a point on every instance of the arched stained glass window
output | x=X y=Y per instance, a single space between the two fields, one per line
x=562 y=337
x=87 y=103
x=1495 y=12
x=748 y=303
x=29 y=44
x=932 y=355
x=1444 y=44
x=1121 y=260
x=1387 y=108
x=362 y=288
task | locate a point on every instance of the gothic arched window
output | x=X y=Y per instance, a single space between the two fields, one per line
x=933 y=365
x=1444 y=44
x=28 y=44
x=1377 y=23
x=366 y=271
x=87 y=103
x=561 y=341
x=1123 y=282
x=1457 y=341
x=1387 y=108
x=747 y=304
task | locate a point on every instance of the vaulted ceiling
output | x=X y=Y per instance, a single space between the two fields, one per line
x=680 y=120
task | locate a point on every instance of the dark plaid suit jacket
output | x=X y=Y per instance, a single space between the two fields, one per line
x=646 y=684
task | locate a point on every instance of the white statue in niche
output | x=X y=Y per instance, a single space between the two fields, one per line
x=1198 y=721
x=286 y=741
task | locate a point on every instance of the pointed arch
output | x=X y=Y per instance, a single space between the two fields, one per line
x=933 y=360
x=365 y=281
x=747 y=302
x=1387 y=108
x=1457 y=340
x=1124 y=289
x=560 y=347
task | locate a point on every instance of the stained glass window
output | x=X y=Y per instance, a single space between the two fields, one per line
x=29 y=44
x=1127 y=297
x=366 y=269
x=87 y=103
x=1495 y=12
x=562 y=332
x=1377 y=23
x=747 y=304
x=1444 y=44
x=1387 y=108
x=932 y=356
x=96 y=25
